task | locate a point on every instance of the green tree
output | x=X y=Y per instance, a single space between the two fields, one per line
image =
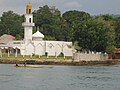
x=51 y=24
x=43 y=19
x=95 y=35
x=75 y=19
x=117 y=32
x=11 y=23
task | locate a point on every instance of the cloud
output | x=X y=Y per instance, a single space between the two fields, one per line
x=72 y=4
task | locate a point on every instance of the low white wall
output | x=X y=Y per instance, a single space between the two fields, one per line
x=56 y=47
x=89 y=57
x=53 y=48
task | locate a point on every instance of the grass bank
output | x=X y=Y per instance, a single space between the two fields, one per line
x=56 y=62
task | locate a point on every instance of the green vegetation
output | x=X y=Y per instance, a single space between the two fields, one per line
x=90 y=33
x=11 y=23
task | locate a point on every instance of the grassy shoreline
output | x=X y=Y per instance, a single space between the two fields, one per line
x=57 y=62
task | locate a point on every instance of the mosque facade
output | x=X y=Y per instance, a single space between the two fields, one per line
x=34 y=43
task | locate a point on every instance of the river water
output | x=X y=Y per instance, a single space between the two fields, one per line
x=60 y=78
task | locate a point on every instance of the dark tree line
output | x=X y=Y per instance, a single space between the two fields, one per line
x=11 y=23
x=95 y=33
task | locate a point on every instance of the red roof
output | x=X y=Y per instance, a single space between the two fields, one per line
x=117 y=50
x=6 y=38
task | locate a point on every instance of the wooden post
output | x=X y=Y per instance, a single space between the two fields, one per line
x=47 y=56
x=31 y=56
x=64 y=56
x=23 y=56
x=8 y=53
x=0 y=52
x=15 y=52
x=39 y=56
x=55 y=54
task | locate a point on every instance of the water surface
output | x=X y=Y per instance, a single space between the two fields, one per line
x=60 y=78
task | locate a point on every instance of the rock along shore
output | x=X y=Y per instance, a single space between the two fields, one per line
x=59 y=62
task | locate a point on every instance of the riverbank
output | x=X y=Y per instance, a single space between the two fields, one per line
x=58 y=62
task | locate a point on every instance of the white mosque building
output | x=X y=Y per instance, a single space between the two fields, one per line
x=34 y=43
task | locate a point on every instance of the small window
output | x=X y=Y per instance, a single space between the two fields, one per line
x=30 y=20
x=29 y=11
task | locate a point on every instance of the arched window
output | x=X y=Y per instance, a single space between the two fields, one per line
x=29 y=11
x=30 y=20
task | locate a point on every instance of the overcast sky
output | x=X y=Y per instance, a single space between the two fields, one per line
x=94 y=7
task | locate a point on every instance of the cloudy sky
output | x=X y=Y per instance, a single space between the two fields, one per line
x=94 y=7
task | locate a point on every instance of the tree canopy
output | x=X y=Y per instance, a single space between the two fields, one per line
x=99 y=33
x=11 y=23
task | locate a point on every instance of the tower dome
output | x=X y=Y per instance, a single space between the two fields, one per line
x=28 y=8
x=38 y=36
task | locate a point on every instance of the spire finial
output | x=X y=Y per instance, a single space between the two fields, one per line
x=29 y=8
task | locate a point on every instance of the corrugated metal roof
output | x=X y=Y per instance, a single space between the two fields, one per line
x=6 y=38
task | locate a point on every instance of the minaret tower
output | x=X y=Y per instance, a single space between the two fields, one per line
x=28 y=24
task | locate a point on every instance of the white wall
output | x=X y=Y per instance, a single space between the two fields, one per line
x=37 y=39
x=29 y=49
x=89 y=57
x=50 y=47
x=67 y=51
x=39 y=49
x=56 y=47
x=27 y=17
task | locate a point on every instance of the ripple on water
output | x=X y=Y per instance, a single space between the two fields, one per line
x=61 y=78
